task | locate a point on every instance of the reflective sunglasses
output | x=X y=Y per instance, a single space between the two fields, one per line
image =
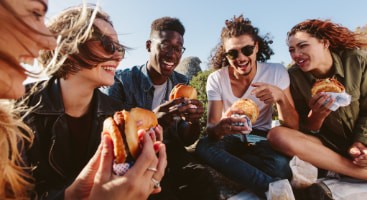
x=166 y=47
x=109 y=46
x=246 y=50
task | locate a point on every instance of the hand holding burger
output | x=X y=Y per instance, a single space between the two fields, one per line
x=250 y=111
x=123 y=130
x=124 y=133
x=248 y=107
x=337 y=94
x=182 y=90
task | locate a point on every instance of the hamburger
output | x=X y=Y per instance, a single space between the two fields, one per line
x=248 y=107
x=147 y=117
x=327 y=85
x=182 y=90
x=123 y=130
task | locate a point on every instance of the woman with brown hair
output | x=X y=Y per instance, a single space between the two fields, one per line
x=330 y=140
x=23 y=34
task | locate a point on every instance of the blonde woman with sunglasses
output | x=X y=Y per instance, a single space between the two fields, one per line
x=241 y=73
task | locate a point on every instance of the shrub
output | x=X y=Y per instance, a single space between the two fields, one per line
x=199 y=83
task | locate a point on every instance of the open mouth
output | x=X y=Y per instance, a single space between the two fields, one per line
x=243 y=66
x=301 y=62
x=168 y=64
x=111 y=69
x=28 y=60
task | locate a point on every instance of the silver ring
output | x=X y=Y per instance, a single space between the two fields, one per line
x=156 y=183
x=152 y=169
x=230 y=128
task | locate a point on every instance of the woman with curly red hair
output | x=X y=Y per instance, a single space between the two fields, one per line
x=331 y=140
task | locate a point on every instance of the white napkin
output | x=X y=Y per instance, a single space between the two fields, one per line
x=341 y=99
x=248 y=125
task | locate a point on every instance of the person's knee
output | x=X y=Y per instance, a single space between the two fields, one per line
x=273 y=135
x=277 y=137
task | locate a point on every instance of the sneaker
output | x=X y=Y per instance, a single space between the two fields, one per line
x=317 y=191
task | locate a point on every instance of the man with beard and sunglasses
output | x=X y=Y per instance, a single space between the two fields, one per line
x=68 y=110
x=241 y=72
x=148 y=86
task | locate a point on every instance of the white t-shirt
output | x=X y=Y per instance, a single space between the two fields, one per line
x=219 y=88
x=160 y=94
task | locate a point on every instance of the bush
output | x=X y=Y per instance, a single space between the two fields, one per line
x=199 y=83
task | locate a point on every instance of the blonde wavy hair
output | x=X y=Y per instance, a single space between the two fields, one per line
x=15 y=136
x=13 y=132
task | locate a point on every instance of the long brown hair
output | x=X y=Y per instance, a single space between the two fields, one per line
x=340 y=37
x=73 y=50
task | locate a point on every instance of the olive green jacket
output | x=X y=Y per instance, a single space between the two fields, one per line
x=348 y=124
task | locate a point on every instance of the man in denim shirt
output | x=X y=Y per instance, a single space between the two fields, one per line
x=148 y=86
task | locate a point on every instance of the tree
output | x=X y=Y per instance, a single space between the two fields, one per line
x=199 y=83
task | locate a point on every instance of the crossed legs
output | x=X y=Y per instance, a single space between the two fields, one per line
x=310 y=149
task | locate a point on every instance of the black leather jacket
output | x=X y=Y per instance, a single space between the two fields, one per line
x=51 y=152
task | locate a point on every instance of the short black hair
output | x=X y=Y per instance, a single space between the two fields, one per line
x=167 y=23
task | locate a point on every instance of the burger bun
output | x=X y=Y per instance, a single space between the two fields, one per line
x=248 y=107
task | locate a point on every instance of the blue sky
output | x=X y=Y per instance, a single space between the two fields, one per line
x=203 y=20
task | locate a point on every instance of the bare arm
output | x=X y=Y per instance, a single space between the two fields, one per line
x=267 y=93
x=286 y=111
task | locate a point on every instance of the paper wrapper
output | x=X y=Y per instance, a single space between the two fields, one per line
x=280 y=190
x=247 y=124
x=121 y=168
x=304 y=173
x=341 y=99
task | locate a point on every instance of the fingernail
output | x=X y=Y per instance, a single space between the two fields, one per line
x=156 y=146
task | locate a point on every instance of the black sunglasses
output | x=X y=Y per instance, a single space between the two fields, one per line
x=109 y=46
x=246 y=50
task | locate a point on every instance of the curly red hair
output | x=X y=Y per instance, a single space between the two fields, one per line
x=340 y=37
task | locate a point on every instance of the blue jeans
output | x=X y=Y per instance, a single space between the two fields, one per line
x=253 y=166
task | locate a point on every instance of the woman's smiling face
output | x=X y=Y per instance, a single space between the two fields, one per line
x=23 y=34
x=307 y=52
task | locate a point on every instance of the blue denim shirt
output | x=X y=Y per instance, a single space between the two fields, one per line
x=135 y=89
